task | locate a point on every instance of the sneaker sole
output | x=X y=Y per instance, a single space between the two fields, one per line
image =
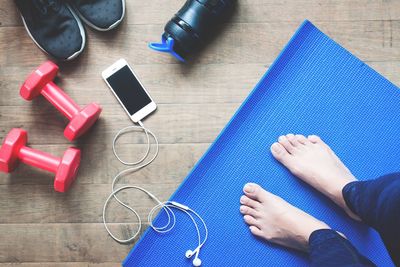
x=115 y=24
x=81 y=30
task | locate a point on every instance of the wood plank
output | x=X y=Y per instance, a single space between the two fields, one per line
x=61 y=264
x=159 y=12
x=39 y=204
x=84 y=201
x=390 y=70
x=99 y=165
x=211 y=83
x=60 y=243
x=319 y=10
x=174 y=123
x=239 y=43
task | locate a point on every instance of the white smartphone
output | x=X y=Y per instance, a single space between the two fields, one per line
x=129 y=91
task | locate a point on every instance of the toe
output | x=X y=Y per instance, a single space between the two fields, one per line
x=293 y=140
x=256 y=231
x=255 y=192
x=280 y=153
x=302 y=139
x=244 y=200
x=286 y=144
x=314 y=139
x=245 y=210
x=250 y=220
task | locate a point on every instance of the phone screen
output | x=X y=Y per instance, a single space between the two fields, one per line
x=129 y=90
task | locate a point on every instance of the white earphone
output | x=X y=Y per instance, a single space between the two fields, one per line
x=165 y=206
x=189 y=253
x=172 y=204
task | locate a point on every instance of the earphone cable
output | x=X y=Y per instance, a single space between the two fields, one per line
x=165 y=206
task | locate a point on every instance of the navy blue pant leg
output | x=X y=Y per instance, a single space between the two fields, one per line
x=329 y=249
x=377 y=203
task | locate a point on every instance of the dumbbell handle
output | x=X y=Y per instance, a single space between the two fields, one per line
x=60 y=100
x=39 y=159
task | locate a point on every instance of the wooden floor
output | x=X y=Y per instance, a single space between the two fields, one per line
x=39 y=227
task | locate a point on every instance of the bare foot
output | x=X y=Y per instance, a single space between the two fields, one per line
x=315 y=163
x=273 y=219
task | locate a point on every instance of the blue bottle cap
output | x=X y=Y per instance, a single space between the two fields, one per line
x=166 y=46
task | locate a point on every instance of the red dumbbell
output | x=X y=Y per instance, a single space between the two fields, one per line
x=14 y=149
x=41 y=82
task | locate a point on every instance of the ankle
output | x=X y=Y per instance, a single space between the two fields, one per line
x=323 y=226
x=341 y=202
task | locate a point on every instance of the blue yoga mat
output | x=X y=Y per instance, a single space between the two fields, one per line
x=314 y=87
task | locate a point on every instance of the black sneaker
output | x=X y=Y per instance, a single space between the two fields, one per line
x=53 y=26
x=102 y=15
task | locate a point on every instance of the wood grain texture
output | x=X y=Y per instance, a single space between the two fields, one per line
x=238 y=43
x=60 y=242
x=63 y=264
x=39 y=227
x=157 y=12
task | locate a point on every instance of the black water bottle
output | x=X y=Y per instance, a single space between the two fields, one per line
x=192 y=26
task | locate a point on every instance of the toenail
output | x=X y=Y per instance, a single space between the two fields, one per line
x=242 y=209
x=249 y=188
x=275 y=147
x=313 y=138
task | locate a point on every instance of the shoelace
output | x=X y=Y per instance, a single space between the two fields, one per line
x=45 y=5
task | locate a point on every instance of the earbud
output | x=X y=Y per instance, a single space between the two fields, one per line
x=196 y=262
x=189 y=254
